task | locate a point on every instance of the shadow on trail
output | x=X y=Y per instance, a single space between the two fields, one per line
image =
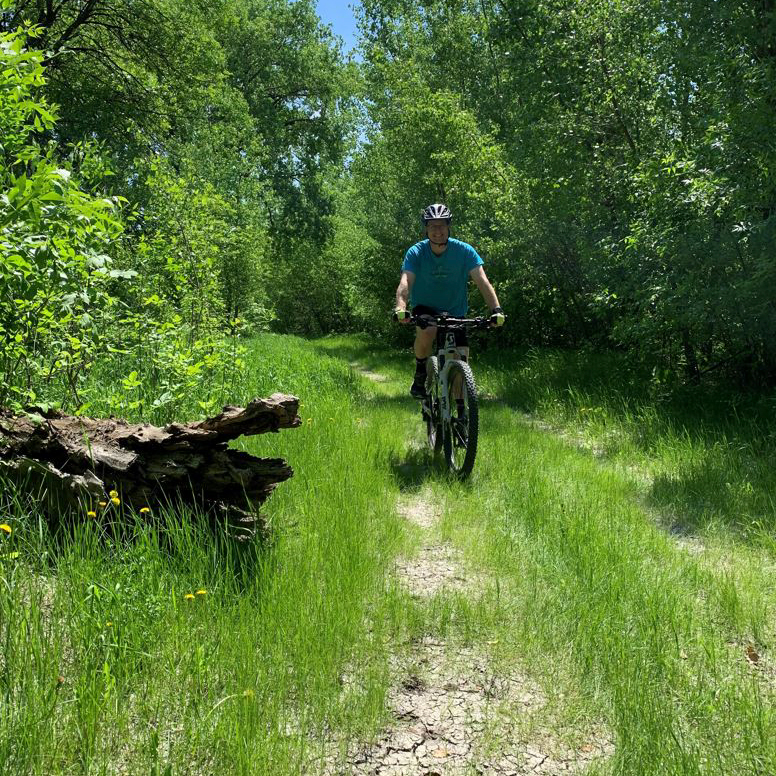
x=717 y=443
x=702 y=493
x=367 y=356
x=417 y=467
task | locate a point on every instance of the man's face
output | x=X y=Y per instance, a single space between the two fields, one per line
x=438 y=230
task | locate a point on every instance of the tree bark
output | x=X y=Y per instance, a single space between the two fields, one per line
x=74 y=462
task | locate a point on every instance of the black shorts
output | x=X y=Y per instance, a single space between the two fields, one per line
x=461 y=340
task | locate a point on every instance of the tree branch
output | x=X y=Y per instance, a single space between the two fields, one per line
x=83 y=17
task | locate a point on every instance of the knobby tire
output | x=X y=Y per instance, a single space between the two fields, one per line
x=460 y=434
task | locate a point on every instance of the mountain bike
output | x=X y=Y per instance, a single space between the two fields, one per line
x=449 y=410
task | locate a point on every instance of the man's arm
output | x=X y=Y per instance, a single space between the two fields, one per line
x=403 y=291
x=483 y=284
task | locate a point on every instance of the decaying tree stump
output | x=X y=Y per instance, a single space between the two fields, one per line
x=74 y=462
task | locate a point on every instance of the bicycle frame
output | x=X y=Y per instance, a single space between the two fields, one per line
x=445 y=354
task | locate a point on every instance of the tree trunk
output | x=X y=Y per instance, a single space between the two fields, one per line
x=75 y=462
x=691 y=361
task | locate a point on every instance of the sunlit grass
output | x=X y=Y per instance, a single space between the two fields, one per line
x=705 y=456
x=607 y=606
x=596 y=587
x=169 y=650
x=171 y=647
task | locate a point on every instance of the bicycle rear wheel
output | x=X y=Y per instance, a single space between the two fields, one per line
x=431 y=409
x=460 y=432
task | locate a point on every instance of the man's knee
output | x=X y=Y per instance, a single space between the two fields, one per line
x=425 y=337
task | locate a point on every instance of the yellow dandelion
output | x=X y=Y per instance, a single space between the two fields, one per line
x=114 y=494
x=145 y=510
x=103 y=503
x=91 y=513
x=189 y=596
x=115 y=501
x=201 y=592
x=5 y=527
x=248 y=693
x=109 y=624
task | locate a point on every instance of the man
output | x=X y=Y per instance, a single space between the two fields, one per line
x=434 y=277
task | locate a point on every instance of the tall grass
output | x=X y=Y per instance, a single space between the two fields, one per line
x=171 y=650
x=669 y=647
x=672 y=653
x=705 y=455
x=107 y=666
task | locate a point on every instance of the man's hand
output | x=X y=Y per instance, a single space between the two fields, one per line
x=497 y=317
x=401 y=315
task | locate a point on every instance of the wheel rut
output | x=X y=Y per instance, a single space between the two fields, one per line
x=436 y=566
x=452 y=710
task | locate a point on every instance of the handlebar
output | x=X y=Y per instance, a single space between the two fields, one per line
x=426 y=320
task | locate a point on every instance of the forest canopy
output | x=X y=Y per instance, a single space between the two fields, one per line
x=175 y=174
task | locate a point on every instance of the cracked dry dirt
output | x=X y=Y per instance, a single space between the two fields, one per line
x=452 y=712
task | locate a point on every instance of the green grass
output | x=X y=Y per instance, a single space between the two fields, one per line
x=242 y=679
x=707 y=454
x=627 y=626
x=599 y=591
x=605 y=603
x=704 y=458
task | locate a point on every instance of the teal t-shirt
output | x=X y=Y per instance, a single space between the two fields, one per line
x=440 y=281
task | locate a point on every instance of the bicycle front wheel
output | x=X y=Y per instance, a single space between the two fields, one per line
x=460 y=432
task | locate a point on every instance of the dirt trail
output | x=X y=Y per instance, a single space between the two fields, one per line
x=453 y=712
x=375 y=377
x=436 y=566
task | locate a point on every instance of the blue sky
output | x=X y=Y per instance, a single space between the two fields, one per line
x=340 y=16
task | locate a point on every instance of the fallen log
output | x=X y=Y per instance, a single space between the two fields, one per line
x=75 y=462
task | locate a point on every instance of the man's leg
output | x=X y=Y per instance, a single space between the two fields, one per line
x=424 y=342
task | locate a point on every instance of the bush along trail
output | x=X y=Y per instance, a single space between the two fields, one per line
x=541 y=618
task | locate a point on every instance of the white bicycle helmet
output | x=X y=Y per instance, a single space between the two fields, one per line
x=435 y=211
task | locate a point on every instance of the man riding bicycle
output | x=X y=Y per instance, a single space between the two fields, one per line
x=434 y=277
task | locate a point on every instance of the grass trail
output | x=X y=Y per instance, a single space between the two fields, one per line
x=617 y=620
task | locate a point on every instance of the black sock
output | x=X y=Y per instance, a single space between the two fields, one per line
x=420 y=365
